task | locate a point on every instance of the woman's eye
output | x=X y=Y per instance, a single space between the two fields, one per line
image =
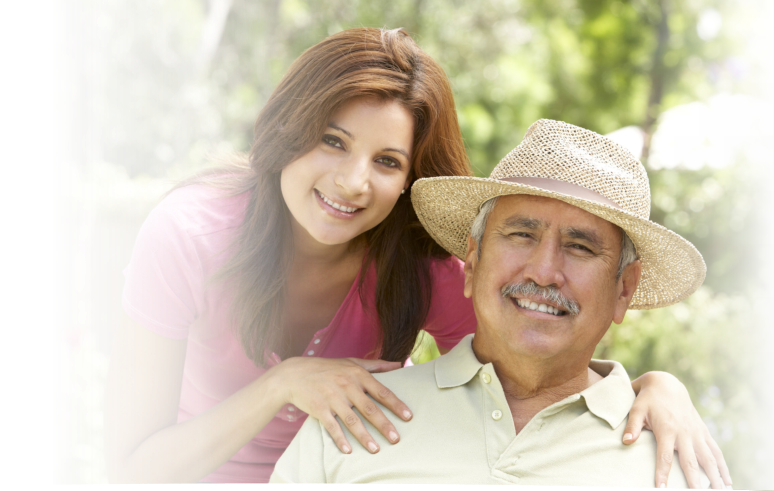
x=332 y=141
x=389 y=162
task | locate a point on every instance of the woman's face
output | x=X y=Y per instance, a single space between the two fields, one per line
x=351 y=180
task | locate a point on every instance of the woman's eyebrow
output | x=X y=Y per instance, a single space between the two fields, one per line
x=400 y=151
x=335 y=127
x=352 y=137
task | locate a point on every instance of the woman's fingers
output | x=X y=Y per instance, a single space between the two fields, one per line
x=689 y=463
x=386 y=398
x=357 y=428
x=329 y=388
x=376 y=417
x=331 y=425
x=634 y=426
x=709 y=464
x=722 y=467
x=665 y=452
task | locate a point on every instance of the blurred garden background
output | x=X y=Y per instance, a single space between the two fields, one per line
x=156 y=89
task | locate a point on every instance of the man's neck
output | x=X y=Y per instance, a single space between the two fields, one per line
x=528 y=396
x=532 y=385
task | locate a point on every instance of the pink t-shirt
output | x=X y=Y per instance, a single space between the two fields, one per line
x=183 y=242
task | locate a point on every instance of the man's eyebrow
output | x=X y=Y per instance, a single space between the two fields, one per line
x=519 y=221
x=336 y=127
x=583 y=234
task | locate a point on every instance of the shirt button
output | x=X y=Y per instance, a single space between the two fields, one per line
x=310 y=352
x=291 y=408
x=317 y=341
x=486 y=378
x=497 y=414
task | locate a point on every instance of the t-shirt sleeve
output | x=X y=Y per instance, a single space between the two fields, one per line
x=163 y=281
x=303 y=460
x=451 y=315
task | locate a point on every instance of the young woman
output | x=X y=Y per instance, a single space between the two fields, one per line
x=273 y=286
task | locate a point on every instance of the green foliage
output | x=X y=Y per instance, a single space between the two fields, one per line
x=710 y=343
x=601 y=64
x=715 y=210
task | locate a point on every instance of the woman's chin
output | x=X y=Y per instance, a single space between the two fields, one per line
x=333 y=237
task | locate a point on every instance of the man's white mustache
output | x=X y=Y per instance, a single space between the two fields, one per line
x=549 y=293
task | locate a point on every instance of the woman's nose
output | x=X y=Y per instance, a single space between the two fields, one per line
x=353 y=175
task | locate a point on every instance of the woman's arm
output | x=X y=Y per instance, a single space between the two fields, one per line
x=664 y=407
x=143 y=443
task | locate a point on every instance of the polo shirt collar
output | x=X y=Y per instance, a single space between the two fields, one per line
x=610 y=399
x=458 y=366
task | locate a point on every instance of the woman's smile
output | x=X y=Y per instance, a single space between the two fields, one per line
x=336 y=207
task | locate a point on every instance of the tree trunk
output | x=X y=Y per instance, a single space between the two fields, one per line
x=209 y=40
x=657 y=78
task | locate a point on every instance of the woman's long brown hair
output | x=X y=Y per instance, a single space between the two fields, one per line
x=364 y=62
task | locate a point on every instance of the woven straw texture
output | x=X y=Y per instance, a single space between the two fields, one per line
x=672 y=268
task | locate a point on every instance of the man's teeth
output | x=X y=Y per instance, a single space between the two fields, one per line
x=540 y=307
x=336 y=205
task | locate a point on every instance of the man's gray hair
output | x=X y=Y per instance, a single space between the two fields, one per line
x=628 y=251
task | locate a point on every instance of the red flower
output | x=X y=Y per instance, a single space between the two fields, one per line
x=72 y=336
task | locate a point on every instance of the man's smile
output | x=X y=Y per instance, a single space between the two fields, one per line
x=528 y=304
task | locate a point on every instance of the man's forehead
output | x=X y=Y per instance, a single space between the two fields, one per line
x=534 y=212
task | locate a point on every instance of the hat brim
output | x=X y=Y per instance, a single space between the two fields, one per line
x=672 y=268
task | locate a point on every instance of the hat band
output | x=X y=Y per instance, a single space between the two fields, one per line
x=563 y=187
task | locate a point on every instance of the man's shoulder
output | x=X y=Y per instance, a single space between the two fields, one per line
x=412 y=384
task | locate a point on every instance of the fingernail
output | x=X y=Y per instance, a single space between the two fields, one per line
x=627 y=437
x=406 y=414
x=662 y=485
x=372 y=447
x=346 y=449
x=393 y=436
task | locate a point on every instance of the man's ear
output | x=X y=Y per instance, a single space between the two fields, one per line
x=627 y=285
x=471 y=259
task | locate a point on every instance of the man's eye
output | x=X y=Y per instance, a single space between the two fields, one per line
x=332 y=141
x=520 y=234
x=580 y=247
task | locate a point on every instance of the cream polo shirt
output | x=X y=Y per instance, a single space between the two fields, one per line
x=462 y=432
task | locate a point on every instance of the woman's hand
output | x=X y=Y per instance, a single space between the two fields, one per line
x=326 y=388
x=664 y=407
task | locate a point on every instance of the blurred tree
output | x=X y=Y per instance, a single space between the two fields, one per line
x=171 y=81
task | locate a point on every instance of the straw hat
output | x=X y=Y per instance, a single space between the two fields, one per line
x=587 y=170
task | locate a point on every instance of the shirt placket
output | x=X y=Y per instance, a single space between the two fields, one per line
x=521 y=452
x=498 y=423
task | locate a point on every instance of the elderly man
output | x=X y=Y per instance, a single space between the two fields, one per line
x=557 y=244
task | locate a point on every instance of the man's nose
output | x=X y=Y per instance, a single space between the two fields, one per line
x=545 y=264
x=353 y=176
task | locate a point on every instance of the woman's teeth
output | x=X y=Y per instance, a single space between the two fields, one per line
x=540 y=307
x=336 y=205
